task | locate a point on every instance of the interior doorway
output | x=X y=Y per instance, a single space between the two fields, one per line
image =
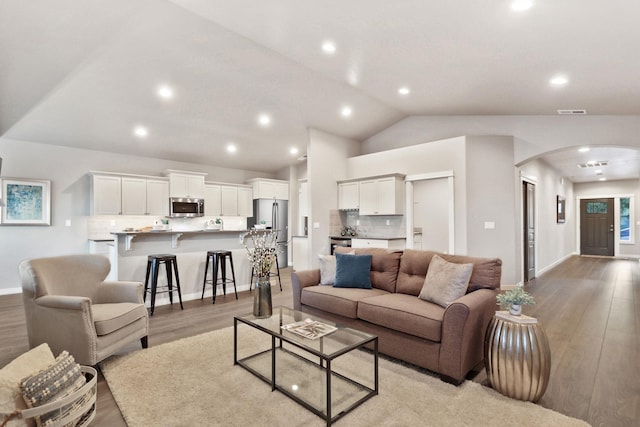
x=529 y=229
x=431 y=213
x=597 y=227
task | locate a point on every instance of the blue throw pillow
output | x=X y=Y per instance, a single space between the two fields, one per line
x=353 y=271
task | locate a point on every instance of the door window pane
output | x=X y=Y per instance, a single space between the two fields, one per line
x=625 y=235
x=596 y=207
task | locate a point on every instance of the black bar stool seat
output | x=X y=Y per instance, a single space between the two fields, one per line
x=171 y=267
x=218 y=260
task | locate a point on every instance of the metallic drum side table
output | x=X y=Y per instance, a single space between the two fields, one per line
x=517 y=356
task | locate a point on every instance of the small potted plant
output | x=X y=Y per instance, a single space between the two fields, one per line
x=514 y=299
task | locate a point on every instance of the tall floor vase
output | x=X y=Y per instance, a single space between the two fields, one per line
x=262 y=298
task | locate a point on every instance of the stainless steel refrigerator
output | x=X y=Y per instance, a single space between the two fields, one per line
x=274 y=214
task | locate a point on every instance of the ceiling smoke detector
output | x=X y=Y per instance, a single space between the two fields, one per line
x=593 y=164
x=573 y=112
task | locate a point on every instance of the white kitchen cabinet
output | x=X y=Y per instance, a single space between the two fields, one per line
x=134 y=196
x=183 y=184
x=157 y=197
x=269 y=188
x=229 y=200
x=349 y=195
x=382 y=196
x=114 y=194
x=212 y=200
x=245 y=201
x=396 y=244
x=106 y=195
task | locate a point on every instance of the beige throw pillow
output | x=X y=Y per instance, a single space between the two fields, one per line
x=445 y=281
x=10 y=376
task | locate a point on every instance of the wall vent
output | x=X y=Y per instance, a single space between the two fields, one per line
x=573 y=112
x=597 y=164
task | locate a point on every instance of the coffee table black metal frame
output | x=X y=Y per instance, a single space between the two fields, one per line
x=282 y=316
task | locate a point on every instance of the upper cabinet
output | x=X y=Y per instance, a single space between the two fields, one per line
x=114 y=194
x=229 y=200
x=269 y=188
x=186 y=184
x=349 y=195
x=381 y=195
x=106 y=195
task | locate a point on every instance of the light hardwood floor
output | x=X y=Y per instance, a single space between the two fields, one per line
x=588 y=306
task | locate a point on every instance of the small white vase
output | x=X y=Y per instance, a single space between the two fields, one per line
x=515 y=309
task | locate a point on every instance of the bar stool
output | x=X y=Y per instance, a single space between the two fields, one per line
x=153 y=265
x=271 y=274
x=219 y=261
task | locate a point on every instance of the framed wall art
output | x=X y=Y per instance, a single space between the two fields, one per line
x=561 y=207
x=26 y=202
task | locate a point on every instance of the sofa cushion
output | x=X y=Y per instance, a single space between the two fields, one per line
x=111 y=317
x=445 y=281
x=414 y=264
x=404 y=313
x=340 y=301
x=353 y=271
x=384 y=265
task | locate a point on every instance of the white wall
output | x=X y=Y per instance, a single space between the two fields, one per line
x=67 y=169
x=436 y=156
x=326 y=164
x=483 y=185
x=623 y=188
x=533 y=135
x=554 y=241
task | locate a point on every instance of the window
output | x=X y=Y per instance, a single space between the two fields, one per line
x=596 y=207
x=625 y=211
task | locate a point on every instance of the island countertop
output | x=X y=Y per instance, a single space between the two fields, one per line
x=134 y=232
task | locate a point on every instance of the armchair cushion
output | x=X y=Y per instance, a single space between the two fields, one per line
x=111 y=317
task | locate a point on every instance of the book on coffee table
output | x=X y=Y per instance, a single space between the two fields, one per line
x=308 y=328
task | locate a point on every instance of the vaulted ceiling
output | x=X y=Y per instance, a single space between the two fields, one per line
x=85 y=73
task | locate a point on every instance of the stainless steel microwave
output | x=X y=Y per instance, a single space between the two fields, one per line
x=181 y=207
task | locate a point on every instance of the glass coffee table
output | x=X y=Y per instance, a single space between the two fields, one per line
x=304 y=368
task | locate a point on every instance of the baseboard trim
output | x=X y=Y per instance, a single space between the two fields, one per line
x=10 y=291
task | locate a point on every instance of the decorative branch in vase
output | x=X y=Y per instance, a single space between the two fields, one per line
x=262 y=256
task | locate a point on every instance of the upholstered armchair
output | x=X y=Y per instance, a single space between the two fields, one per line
x=70 y=306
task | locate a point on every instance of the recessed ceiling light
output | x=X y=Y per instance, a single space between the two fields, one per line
x=329 y=47
x=165 y=92
x=140 y=131
x=602 y=179
x=231 y=148
x=559 y=80
x=293 y=151
x=264 y=120
x=520 y=5
x=346 y=111
x=404 y=90
x=584 y=149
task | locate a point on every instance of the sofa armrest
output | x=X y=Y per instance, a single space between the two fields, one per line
x=120 y=291
x=300 y=280
x=463 y=328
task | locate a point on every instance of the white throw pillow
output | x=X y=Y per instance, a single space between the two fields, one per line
x=445 y=281
x=327 y=269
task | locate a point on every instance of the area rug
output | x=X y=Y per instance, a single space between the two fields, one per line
x=193 y=381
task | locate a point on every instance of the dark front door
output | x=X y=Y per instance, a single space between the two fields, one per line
x=528 y=197
x=596 y=227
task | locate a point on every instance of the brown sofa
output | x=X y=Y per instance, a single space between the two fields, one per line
x=448 y=340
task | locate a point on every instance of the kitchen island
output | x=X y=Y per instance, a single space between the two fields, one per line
x=131 y=249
